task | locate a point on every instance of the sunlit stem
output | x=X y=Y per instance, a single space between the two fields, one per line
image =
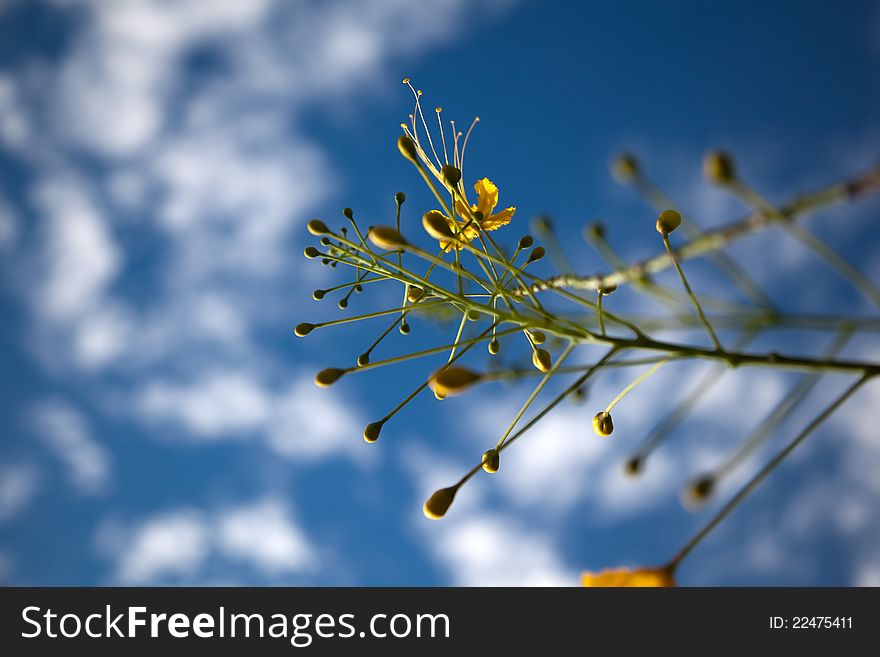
x=623 y=393
x=428 y=352
x=660 y=201
x=553 y=370
x=543 y=412
x=691 y=294
x=861 y=282
x=466 y=347
x=458 y=335
x=762 y=474
x=686 y=406
x=781 y=412
x=363 y=281
x=599 y=312
x=377 y=313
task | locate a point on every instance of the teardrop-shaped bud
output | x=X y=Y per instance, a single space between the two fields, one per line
x=633 y=465
x=311 y=252
x=491 y=461
x=407 y=148
x=605 y=290
x=317 y=295
x=538 y=337
x=437 y=225
x=414 y=293
x=363 y=359
x=624 y=168
x=595 y=231
x=541 y=360
x=317 y=227
x=668 y=221
x=372 y=430
x=602 y=424
x=438 y=504
x=302 y=330
x=388 y=238
x=698 y=491
x=536 y=254
x=400 y=198
x=453 y=380
x=451 y=175
x=718 y=167
x=328 y=377
x=525 y=242
x=494 y=346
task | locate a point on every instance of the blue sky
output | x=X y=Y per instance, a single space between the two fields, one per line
x=158 y=163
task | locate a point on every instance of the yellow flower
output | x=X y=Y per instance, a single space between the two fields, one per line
x=426 y=154
x=470 y=225
x=638 y=577
x=487 y=199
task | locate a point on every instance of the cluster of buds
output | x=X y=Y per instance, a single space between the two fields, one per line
x=450 y=262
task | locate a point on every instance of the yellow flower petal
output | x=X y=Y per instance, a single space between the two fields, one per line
x=639 y=577
x=497 y=220
x=487 y=196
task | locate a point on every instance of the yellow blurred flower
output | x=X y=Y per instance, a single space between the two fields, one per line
x=639 y=577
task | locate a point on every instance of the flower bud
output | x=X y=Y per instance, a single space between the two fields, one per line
x=311 y=252
x=538 y=337
x=633 y=465
x=372 y=430
x=718 y=168
x=400 y=198
x=302 y=330
x=414 y=293
x=668 y=221
x=453 y=380
x=541 y=360
x=595 y=231
x=386 y=237
x=602 y=424
x=525 y=242
x=624 y=168
x=407 y=148
x=438 y=504
x=317 y=295
x=437 y=225
x=451 y=175
x=699 y=490
x=491 y=461
x=363 y=359
x=536 y=254
x=605 y=290
x=317 y=227
x=342 y=303
x=326 y=378
x=542 y=224
x=494 y=346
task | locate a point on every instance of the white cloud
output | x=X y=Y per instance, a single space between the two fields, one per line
x=179 y=545
x=478 y=545
x=8 y=226
x=170 y=545
x=66 y=431
x=18 y=484
x=80 y=257
x=264 y=535
x=495 y=550
x=300 y=421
